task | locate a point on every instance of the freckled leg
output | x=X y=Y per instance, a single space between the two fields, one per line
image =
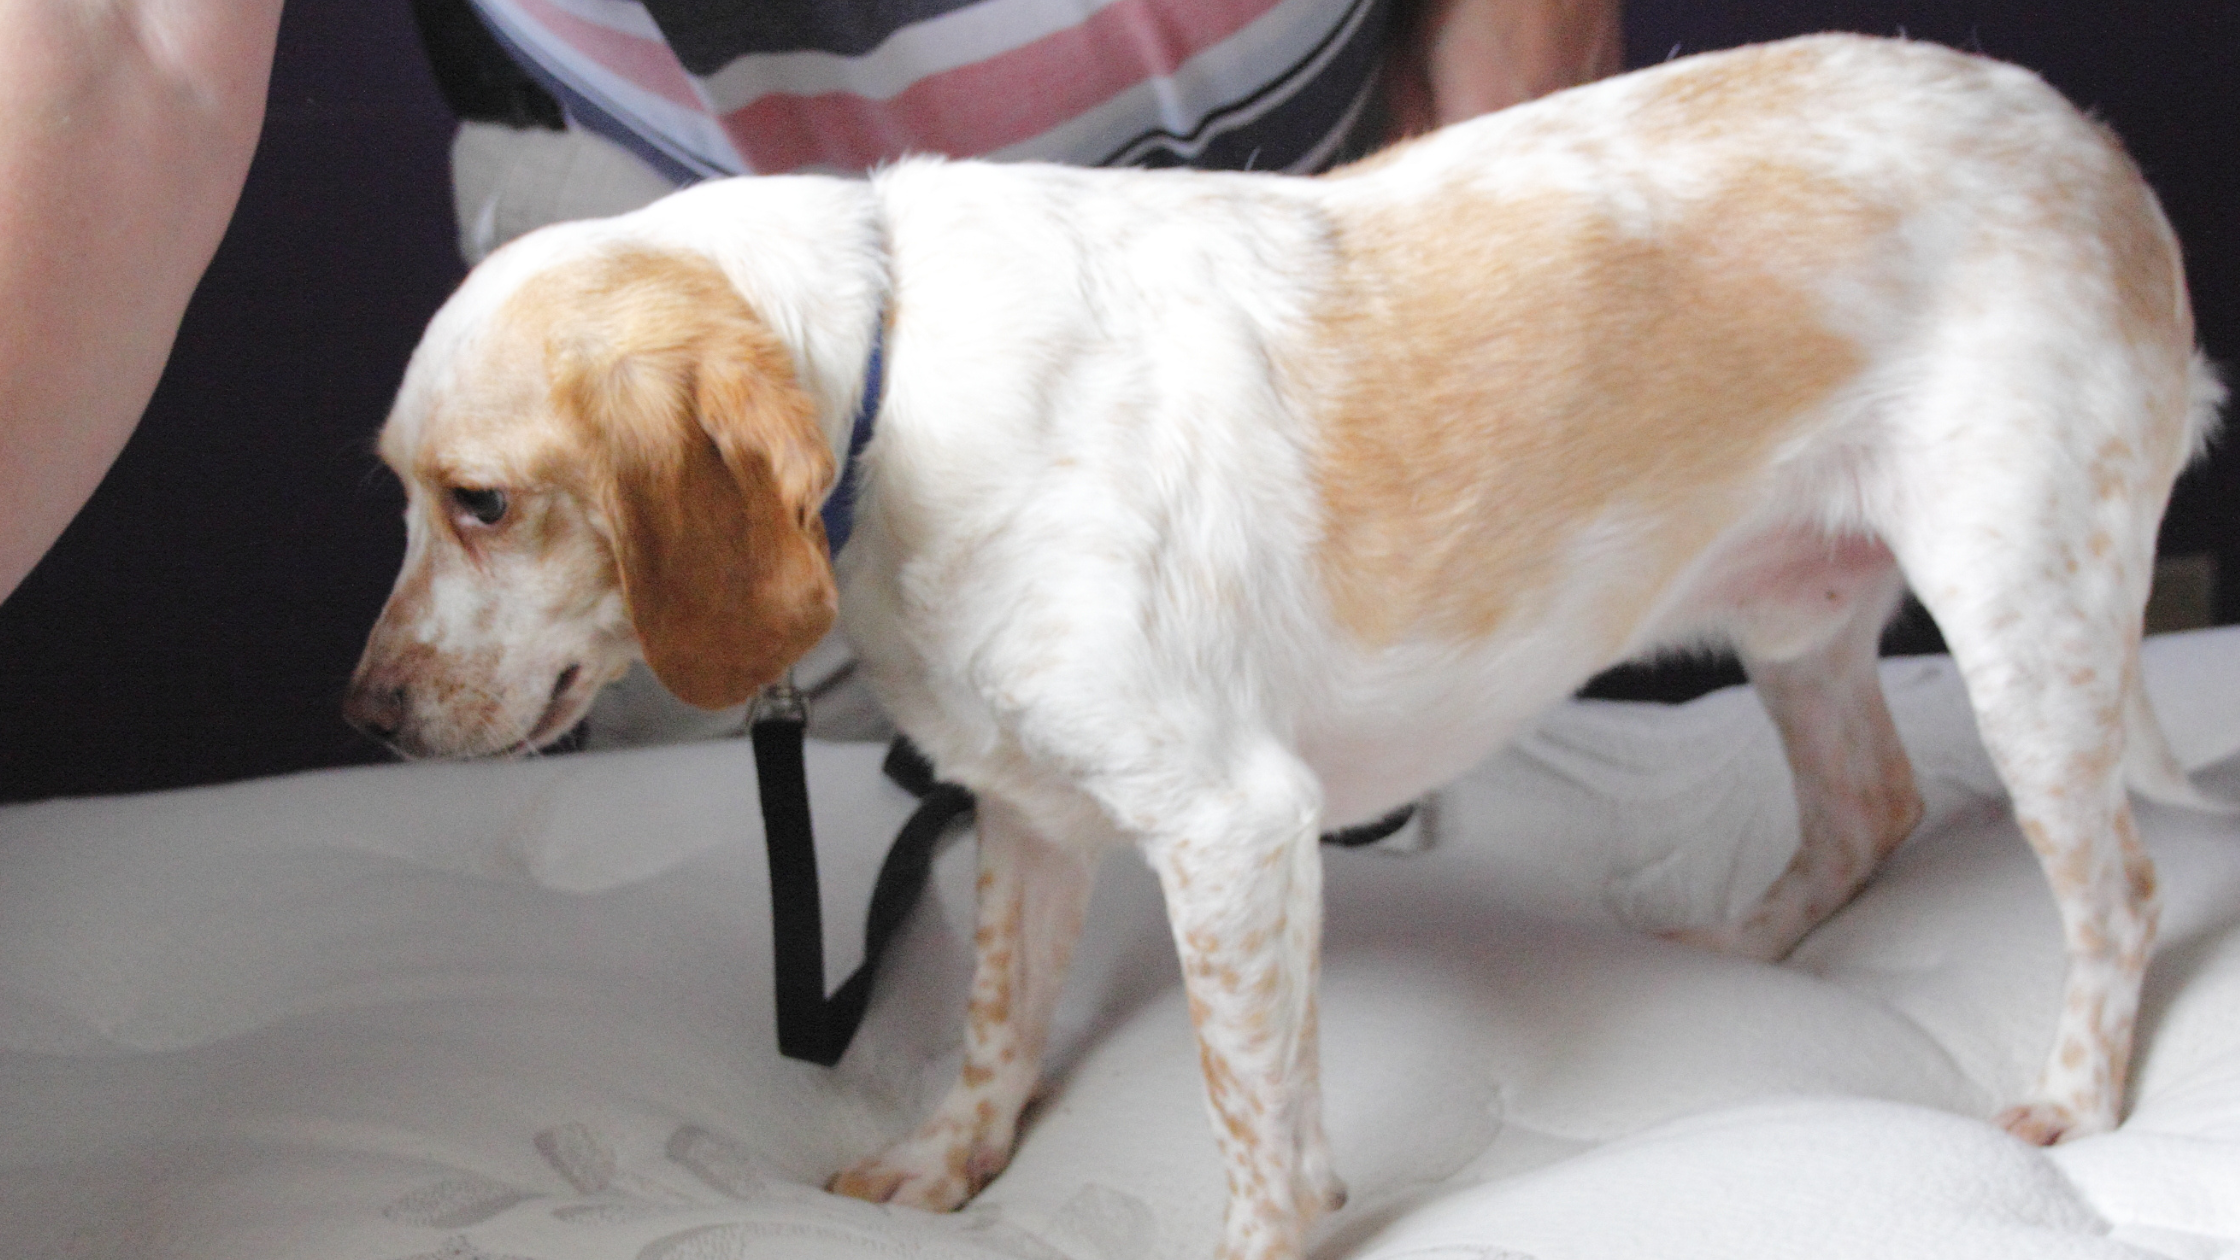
x=1246 y=908
x=2106 y=895
x=2049 y=665
x=1032 y=895
x=2051 y=708
x=1856 y=800
x=2028 y=529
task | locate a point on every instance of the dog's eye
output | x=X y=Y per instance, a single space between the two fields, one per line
x=486 y=506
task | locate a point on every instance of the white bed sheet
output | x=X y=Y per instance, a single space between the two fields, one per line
x=522 y=1012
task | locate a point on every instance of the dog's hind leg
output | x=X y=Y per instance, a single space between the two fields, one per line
x=1031 y=899
x=2050 y=677
x=1810 y=649
x=2036 y=569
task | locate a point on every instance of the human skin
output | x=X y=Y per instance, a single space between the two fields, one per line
x=1456 y=59
x=126 y=128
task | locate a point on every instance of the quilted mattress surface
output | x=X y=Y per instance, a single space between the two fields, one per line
x=522 y=1011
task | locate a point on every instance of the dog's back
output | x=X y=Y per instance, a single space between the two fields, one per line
x=1446 y=432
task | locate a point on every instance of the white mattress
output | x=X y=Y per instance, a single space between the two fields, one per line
x=522 y=1012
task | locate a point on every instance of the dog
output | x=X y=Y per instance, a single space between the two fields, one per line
x=1203 y=512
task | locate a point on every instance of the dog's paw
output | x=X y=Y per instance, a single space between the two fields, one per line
x=935 y=1172
x=2044 y=1122
x=1749 y=939
x=1321 y=1191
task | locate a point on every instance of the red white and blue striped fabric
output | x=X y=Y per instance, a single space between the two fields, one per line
x=704 y=88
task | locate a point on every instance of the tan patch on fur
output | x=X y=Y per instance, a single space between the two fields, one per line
x=2100 y=221
x=2143 y=266
x=1712 y=95
x=1510 y=368
x=2139 y=263
x=691 y=435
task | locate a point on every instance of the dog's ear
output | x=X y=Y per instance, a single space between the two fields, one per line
x=706 y=459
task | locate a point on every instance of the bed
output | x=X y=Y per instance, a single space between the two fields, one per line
x=522 y=1011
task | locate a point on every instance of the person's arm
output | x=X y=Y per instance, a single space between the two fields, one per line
x=1455 y=59
x=126 y=128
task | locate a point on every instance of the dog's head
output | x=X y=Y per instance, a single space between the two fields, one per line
x=606 y=453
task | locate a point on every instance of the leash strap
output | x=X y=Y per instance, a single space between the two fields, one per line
x=1369 y=833
x=812 y=1027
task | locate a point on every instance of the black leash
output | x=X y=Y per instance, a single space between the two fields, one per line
x=811 y=1026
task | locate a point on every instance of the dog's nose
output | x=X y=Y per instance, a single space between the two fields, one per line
x=376 y=708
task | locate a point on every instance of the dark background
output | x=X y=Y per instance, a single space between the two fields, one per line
x=199 y=619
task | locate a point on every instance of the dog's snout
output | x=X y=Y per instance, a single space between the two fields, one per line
x=376 y=707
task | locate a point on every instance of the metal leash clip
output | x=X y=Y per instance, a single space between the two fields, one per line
x=781 y=701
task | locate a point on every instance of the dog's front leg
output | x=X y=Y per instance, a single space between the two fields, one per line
x=1032 y=894
x=1246 y=909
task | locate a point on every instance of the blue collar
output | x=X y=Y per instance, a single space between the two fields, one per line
x=840 y=506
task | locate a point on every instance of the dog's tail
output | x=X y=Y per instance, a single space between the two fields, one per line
x=2149 y=767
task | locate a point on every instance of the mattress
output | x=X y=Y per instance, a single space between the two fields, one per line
x=522 y=1011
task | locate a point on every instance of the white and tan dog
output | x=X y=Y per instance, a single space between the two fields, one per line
x=1205 y=512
